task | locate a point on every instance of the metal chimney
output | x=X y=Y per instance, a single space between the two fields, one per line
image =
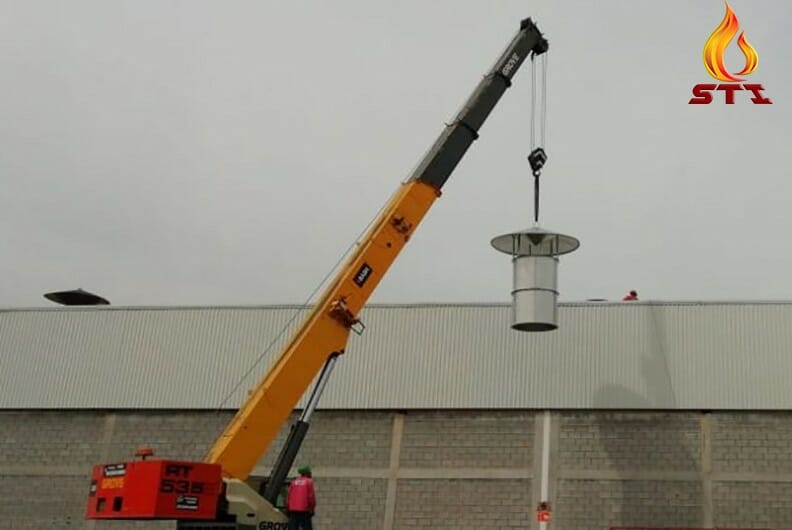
x=535 y=254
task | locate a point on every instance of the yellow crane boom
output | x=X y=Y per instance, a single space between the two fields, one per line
x=324 y=332
x=326 y=329
x=214 y=493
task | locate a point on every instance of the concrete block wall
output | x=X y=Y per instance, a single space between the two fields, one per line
x=598 y=504
x=622 y=441
x=348 y=441
x=36 y=501
x=752 y=443
x=750 y=469
x=476 y=439
x=672 y=469
x=628 y=468
x=350 y=503
x=441 y=469
x=749 y=504
x=450 y=504
x=172 y=435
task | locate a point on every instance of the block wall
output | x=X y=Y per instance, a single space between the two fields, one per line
x=441 y=469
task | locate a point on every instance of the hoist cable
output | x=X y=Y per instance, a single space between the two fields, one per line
x=305 y=305
x=536 y=199
x=533 y=103
x=538 y=119
x=545 y=61
x=533 y=138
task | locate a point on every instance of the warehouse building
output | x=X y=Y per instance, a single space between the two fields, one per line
x=438 y=416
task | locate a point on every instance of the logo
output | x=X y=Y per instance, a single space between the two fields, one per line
x=714 y=50
x=113 y=483
x=362 y=275
x=510 y=64
x=114 y=470
x=184 y=502
x=269 y=525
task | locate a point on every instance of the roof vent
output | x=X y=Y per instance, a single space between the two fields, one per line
x=76 y=297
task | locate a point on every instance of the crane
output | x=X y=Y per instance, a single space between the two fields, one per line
x=215 y=492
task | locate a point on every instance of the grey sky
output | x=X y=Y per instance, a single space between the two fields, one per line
x=193 y=152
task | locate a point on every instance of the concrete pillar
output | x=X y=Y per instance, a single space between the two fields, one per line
x=393 y=472
x=545 y=464
x=707 y=516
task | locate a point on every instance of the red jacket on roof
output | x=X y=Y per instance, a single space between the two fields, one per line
x=301 y=496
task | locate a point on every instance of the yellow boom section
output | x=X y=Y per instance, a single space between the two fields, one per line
x=324 y=332
x=326 y=329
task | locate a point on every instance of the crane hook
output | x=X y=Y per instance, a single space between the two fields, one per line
x=537 y=159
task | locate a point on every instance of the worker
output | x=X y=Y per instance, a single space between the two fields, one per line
x=301 y=500
x=631 y=296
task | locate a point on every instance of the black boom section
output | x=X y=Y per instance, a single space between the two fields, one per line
x=456 y=138
x=285 y=461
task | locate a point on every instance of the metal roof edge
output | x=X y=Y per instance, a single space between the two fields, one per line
x=417 y=305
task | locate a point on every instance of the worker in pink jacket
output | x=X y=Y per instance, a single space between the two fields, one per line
x=301 y=500
x=630 y=297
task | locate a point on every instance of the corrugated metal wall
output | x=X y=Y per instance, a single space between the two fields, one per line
x=605 y=355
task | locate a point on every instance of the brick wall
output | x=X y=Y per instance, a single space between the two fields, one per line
x=50 y=438
x=441 y=469
x=753 y=504
x=673 y=469
x=187 y=435
x=38 y=502
x=449 y=504
x=338 y=439
x=644 y=503
x=350 y=503
x=758 y=443
x=752 y=470
x=474 y=439
x=630 y=441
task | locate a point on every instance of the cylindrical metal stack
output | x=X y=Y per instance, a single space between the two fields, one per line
x=535 y=291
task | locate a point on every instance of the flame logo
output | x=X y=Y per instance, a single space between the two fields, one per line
x=716 y=46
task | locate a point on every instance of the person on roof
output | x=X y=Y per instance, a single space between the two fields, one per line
x=630 y=297
x=301 y=500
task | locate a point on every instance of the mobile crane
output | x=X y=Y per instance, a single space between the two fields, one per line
x=215 y=493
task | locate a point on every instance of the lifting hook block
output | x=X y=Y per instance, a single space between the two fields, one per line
x=537 y=159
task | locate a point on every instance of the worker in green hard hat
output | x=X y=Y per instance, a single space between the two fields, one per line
x=301 y=500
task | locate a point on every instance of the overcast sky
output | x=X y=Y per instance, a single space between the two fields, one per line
x=194 y=152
